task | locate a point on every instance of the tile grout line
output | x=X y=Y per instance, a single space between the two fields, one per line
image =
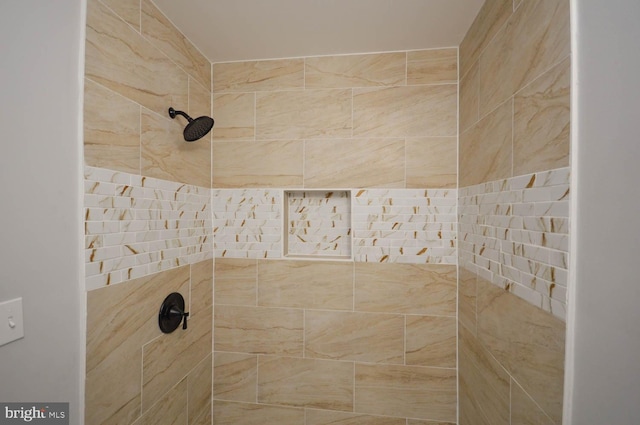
x=482 y=50
x=404 y=340
x=140 y=140
x=510 y=399
x=257 y=377
x=457 y=234
x=146 y=38
x=513 y=131
x=141 y=378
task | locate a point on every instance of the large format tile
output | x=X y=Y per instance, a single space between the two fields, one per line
x=308 y=114
x=413 y=111
x=406 y=391
x=199 y=382
x=281 y=74
x=490 y=18
x=437 y=66
x=235 y=268
x=235 y=291
x=535 y=38
x=432 y=162
x=166 y=155
x=121 y=59
x=486 y=148
x=171 y=409
x=305 y=284
x=127 y=10
x=122 y=371
x=365 y=337
x=230 y=413
x=235 y=281
x=111 y=130
x=527 y=341
x=467 y=299
x=354 y=163
x=236 y=376
x=235 y=116
x=542 y=122
x=381 y=69
x=166 y=37
x=258 y=330
x=120 y=319
x=274 y=163
x=404 y=288
x=469 y=98
x=524 y=411
x=418 y=422
x=431 y=341
x=329 y=417
x=206 y=418
x=323 y=384
x=199 y=99
x=201 y=287
x=469 y=412
x=483 y=381
x=169 y=358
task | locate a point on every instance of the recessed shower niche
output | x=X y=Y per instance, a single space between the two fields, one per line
x=317 y=224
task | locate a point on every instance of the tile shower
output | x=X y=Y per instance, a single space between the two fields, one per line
x=366 y=331
x=148 y=229
x=414 y=281
x=513 y=212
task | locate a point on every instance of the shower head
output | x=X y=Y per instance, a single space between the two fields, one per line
x=196 y=128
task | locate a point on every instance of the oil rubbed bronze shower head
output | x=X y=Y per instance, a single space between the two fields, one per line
x=196 y=128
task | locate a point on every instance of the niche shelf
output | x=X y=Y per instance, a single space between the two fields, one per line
x=317 y=224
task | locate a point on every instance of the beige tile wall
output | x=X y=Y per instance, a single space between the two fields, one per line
x=137 y=374
x=335 y=341
x=372 y=120
x=280 y=124
x=143 y=182
x=514 y=91
x=507 y=346
x=137 y=66
x=514 y=121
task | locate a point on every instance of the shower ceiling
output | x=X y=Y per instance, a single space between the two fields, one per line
x=233 y=30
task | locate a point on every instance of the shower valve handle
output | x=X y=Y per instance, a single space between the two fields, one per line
x=176 y=312
x=172 y=313
x=184 y=320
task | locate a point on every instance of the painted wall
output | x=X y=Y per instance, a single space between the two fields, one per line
x=514 y=212
x=40 y=178
x=604 y=341
x=147 y=219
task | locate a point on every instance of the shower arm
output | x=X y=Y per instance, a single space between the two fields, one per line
x=173 y=113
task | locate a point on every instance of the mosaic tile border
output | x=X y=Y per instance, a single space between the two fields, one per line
x=318 y=223
x=247 y=223
x=136 y=226
x=405 y=226
x=415 y=226
x=514 y=233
